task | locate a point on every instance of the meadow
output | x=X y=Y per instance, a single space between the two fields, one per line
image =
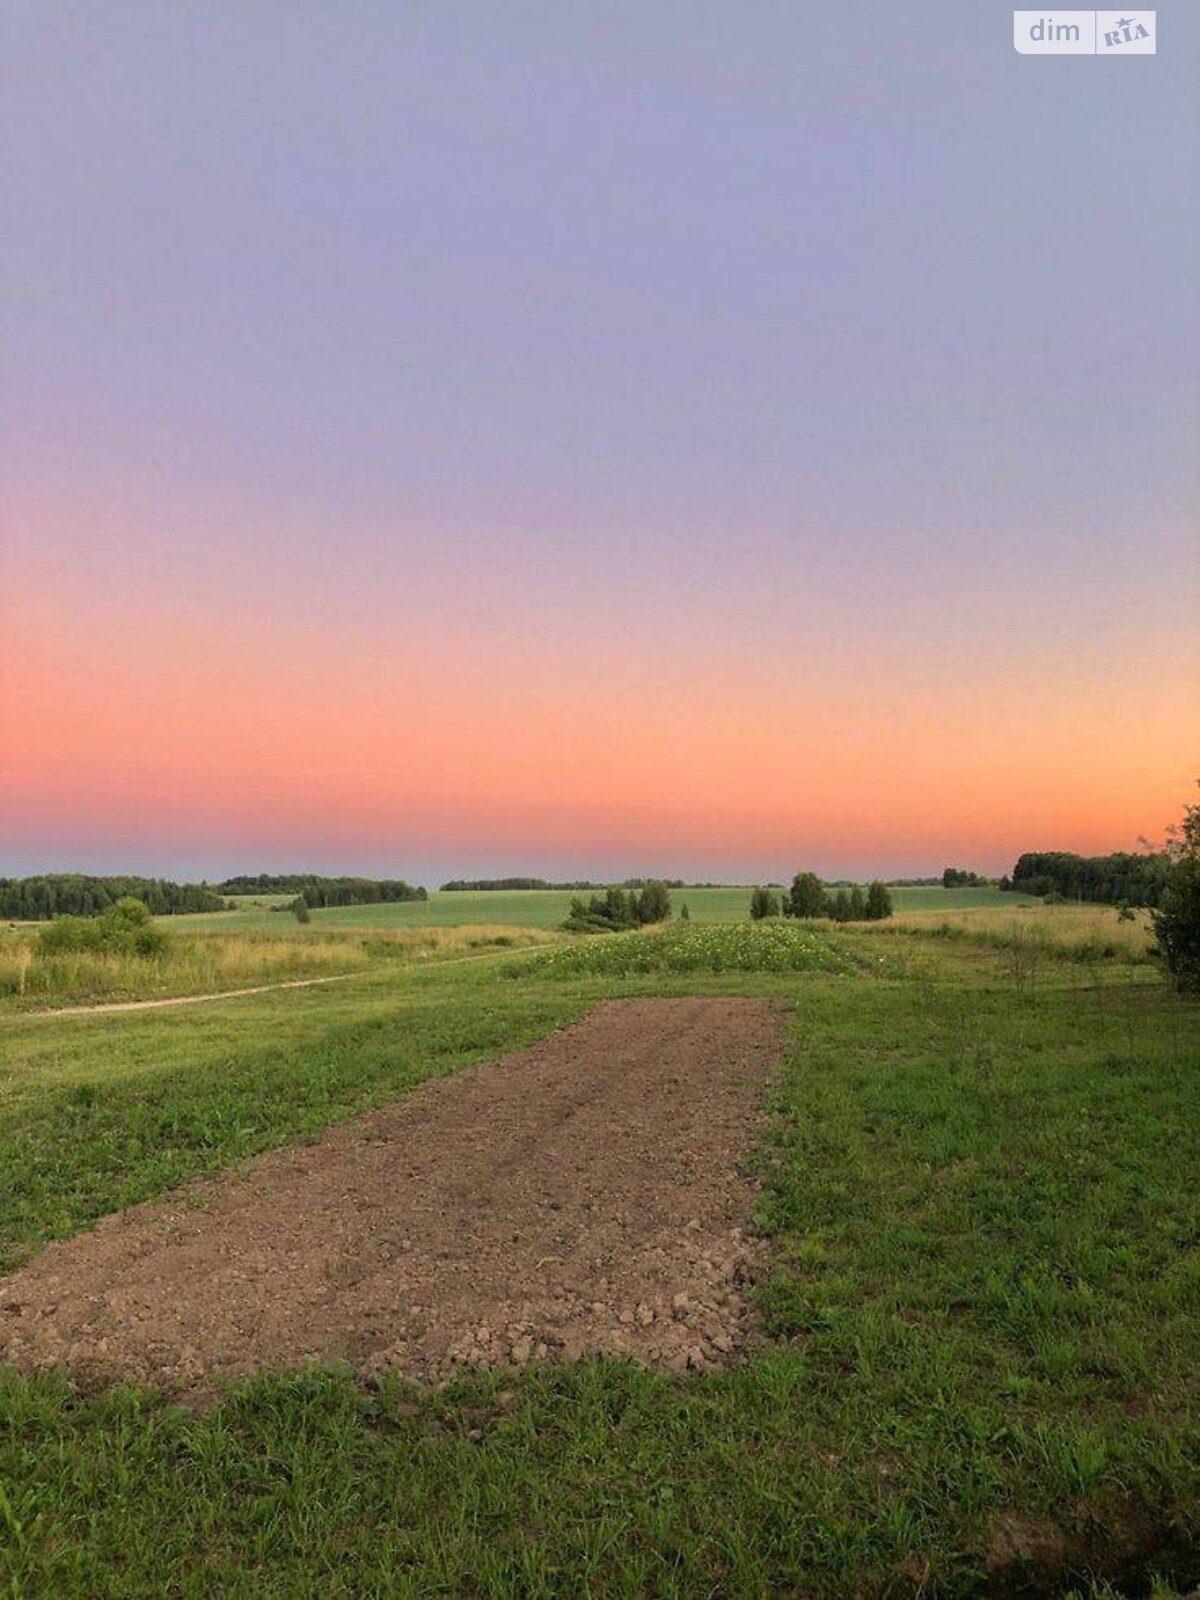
x=260 y=943
x=979 y=1370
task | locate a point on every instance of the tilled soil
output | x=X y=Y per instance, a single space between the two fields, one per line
x=581 y=1196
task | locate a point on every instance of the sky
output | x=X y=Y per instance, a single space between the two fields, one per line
x=448 y=439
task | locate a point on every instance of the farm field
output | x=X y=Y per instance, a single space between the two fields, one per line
x=977 y=1347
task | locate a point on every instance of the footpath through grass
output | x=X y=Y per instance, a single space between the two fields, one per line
x=979 y=1370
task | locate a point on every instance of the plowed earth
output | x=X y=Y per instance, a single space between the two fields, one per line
x=580 y=1196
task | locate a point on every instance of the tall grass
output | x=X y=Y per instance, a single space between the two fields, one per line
x=1084 y=933
x=210 y=961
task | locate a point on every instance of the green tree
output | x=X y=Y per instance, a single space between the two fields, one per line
x=684 y=914
x=763 y=904
x=1176 y=922
x=807 y=897
x=839 y=907
x=299 y=909
x=654 y=902
x=858 y=904
x=879 y=901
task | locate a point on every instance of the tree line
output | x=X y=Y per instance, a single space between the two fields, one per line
x=1119 y=879
x=809 y=897
x=318 y=891
x=959 y=878
x=56 y=894
x=79 y=894
x=487 y=885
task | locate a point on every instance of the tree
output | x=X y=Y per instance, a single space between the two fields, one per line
x=839 y=907
x=858 y=904
x=617 y=910
x=654 y=902
x=763 y=904
x=1176 y=922
x=299 y=909
x=879 y=901
x=684 y=914
x=806 y=897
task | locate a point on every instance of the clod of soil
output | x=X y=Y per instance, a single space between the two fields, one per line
x=581 y=1196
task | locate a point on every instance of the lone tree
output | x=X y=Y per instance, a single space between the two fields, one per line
x=299 y=909
x=1176 y=922
x=763 y=904
x=806 y=897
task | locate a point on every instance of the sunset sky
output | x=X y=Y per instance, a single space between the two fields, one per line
x=459 y=439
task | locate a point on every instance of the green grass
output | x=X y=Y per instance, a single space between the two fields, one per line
x=980 y=1371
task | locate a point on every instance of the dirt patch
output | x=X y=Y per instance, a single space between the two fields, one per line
x=581 y=1196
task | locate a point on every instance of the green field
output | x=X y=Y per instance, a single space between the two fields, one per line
x=981 y=1369
x=546 y=908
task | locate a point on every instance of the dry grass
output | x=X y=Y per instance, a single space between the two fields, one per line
x=1075 y=931
x=197 y=962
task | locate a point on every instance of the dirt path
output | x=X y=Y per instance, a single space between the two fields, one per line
x=579 y=1196
x=188 y=999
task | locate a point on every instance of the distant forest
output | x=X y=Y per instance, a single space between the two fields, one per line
x=1120 y=879
x=56 y=894
x=78 y=894
x=325 y=891
x=480 y=885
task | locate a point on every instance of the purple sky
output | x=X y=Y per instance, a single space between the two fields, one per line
x=719 y=329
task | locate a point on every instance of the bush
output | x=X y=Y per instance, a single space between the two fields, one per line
x=125 y=929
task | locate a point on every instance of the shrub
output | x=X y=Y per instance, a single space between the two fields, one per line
x=125 y=929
